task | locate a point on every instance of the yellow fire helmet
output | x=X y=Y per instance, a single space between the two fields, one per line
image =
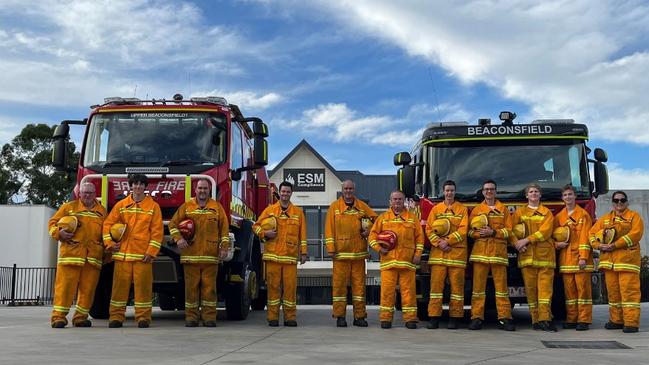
x=520 y=231
x=68 y=223
x=561 y=234
x=441 y=227
x=479 y=221
x=269 y=224
x=606 y=236
x=366 y=224
x=117 y=231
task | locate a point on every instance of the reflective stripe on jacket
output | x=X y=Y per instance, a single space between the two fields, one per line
x=458 y=215
x=410 y=241
x=87 y=238
x=492 y=250
x=144 y=230
x=291 y=234
x=579 y=223
x=629 y=228
x=343 y=229
x=211 y=231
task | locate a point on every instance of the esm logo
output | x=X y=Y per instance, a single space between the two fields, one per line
x=306 y=179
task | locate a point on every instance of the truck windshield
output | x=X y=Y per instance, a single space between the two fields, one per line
x=512 y=167
x=155 y=139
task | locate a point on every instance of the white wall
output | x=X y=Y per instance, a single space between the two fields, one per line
x=25 y=241
x=638 y=201
x=303 y=158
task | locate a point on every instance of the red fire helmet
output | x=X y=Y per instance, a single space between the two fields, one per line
x=387 y=239
x=186 y=228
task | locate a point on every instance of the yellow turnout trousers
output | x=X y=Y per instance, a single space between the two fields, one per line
x=200 y=291
x=345 y=271
x=281 y=280
x=539 y=283
x=141 y=275
x=579 y=297
x=499 y=275
x=71 y=280
x=406 y=280
x=623 y=297
x=438 y=275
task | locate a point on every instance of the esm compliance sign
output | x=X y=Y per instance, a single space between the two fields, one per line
x=306 y=179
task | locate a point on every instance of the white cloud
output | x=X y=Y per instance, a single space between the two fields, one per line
x=77 y=52
x=246 y=100
x=567 y=59
x=339 y=123
x=620 y=178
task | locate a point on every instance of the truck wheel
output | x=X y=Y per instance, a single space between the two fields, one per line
x=101 y=302
x=422 y=311
x=559 y=311
x=237 y=299
x=259 y=304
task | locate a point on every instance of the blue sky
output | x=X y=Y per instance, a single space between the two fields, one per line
x=357 y=79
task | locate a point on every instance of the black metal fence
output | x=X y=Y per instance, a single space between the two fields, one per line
x=26 y=285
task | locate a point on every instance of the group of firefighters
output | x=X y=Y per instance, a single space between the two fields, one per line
x=351 y=227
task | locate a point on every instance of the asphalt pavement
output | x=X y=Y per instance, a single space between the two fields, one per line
x=26 y=338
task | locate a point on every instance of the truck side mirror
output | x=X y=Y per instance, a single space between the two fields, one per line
x=402 y=159
x=60 y=146
x=406 y=180
x=260 y=129
x=601 y=155
x=60 y=154
x=62 y=131
x=260 y=152
x=601 y=178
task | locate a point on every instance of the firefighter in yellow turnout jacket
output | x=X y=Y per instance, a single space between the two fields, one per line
x=575 y=260
x=447 y=229
x=134 y=253
x=400 y=263
x=80 y=257
x=283 y=247
x=537 y=257
x=200 y=255
x=620 y=260
x=346 y=240
x=490 y=232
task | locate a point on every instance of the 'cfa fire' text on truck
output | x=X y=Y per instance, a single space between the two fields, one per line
x=175 y=143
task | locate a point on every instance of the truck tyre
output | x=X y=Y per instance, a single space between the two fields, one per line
x=422 y=311
x=259 y=303
x=101 y=303
x=559 y=311
x=237 y=299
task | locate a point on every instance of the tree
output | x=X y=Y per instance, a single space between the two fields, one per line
x=27 y=173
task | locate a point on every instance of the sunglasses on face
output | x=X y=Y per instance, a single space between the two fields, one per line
x=618 y=201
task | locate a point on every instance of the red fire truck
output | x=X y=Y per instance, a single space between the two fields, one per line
x=175 y=142
x=552 y=153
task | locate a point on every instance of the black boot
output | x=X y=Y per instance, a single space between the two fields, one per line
x=506 y=324
x=341 y=322
x=273 y=323
x=360 y=322
x=476 y=324
x=547 y=326
x=433 y=324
